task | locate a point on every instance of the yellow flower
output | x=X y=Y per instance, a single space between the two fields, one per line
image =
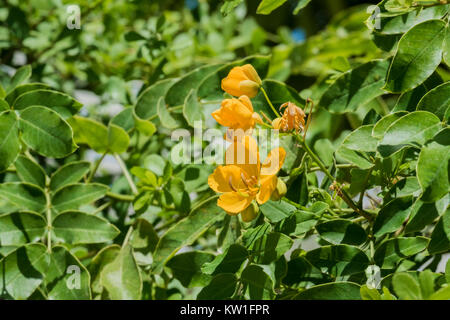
x=243 y=178
x=293 y=118
x=242 y=81
x=237 y=114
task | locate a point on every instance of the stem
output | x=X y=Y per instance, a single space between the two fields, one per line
x=270 y=103
x=127 y=236
x=384 y=106
x=126 y=173
x=49 y=216
x=94 y=170
x=342 y=193
x=102 y=207
x=120 y=197
x=298 y=206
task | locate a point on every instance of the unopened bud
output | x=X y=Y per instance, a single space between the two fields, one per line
x=250 y=213
x=276 y=124
x=280 y=191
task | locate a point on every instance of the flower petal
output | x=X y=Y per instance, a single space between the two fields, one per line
x=244 y=154
x=225 y=179
x=251 y=73
x=268 y=185
x=233 y=202
x=273 y=162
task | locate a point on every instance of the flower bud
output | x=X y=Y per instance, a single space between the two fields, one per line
x=280 y=191
x=242 y=80
x=250 y=213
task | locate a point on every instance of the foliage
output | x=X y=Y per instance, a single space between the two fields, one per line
x=94 y=206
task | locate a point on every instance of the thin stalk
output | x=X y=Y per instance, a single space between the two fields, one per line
x=48 y=209
x=127 y=236
x=102 y=207
x=126 y=173
x=342 y=193
x=96 y=166
x=269 y=102
x=120 y=197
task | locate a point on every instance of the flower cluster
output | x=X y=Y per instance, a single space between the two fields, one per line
x=244 y=181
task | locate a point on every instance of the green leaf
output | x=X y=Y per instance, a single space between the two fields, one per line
x=361 y=140
x=409 y=100
x=436 y=101
x=67 y=278
x=276 y=211
x=301 y=273
x=4 y=106
x=413 y=63
x=22 y=271
x=78 y=227
x=391 y=252
x=20 y=228
x=392 y=216
x=442 y=294
x=440 y=238
x=186 y=231
x=146 y=127
x=104 y=257
x=118 y=139
x=175 y=188
x=192 y=109
x=369 y=293
x=401 y=23
x=178 y=93
x=356 y=87
x=166 y=118
x=147 y=103
x=72 y=197
x=69 y=173
x=356 y=147
x=46 y=132
x=406 y=287
x=23 y=196
x=96 y=135
x=338 y=260
x=228 y=262
x=122 y=277
x=422 y=214
x=186 y=267
x=383 y=124
x=23 y=88
x=432 y=171
x=278 y=93
x=331 y=291
x=413 y=129
x=260 y=284
x=426 y=280
x=447 y=271
x=271 y=247
x=341 y=231
x=90 y=132
x=267 y=6
x=144 y=237
x=9 y=139
x=57 y=101
x=300 y=5
x=22 y=74
x=299 y=223
x=221 y=287
x=229 y=5
x=447 y=47
x=29 y=171
x=124 y=119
